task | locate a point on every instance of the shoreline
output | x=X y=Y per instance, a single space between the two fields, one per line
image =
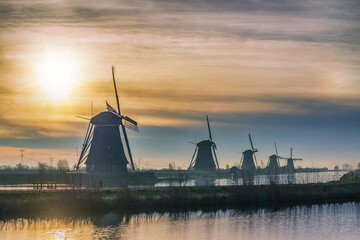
x=175 y=198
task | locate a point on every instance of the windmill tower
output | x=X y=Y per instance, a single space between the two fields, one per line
x=22 y=155
x=289 y=168
x=273 y=164
x=205 y=149
x=248 y=157
x=103 y=149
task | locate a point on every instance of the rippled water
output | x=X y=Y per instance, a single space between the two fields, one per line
x=334 y=221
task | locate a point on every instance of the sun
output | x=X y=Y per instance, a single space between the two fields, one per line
x=57 y=72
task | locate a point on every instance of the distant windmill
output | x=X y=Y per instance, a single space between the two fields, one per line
x=273 y=164
x=204 y=152
x=103 y=149
x=247 y=163
x=289 y=168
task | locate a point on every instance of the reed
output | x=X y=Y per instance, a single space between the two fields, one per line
x=169 y=199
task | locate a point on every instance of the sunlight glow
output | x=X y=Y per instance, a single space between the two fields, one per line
x=57 y=72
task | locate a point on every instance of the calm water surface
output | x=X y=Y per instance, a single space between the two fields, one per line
x=334 y=221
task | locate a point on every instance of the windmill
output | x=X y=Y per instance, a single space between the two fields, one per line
x=247 y=162
x=289 y=168
x=204 y=152
x=273 y=164
x=103 y=148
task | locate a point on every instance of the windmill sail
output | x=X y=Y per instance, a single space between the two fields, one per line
x=131 y=124
x=110 y=108
x=122 y=126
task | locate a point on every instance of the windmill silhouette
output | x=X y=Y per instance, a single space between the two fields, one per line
x=273 y=165
x=204 y=151
x=289 y=168
x=103 y=148
x=248 y=161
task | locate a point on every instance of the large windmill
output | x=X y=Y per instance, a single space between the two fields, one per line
x=103 y=148
x=247 y=162
x=204 y=151
x=273 y=165
x=289 y=168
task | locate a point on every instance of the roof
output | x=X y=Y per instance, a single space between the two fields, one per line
x=204 y=144
x=105 y=118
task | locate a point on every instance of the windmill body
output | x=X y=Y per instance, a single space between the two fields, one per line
x=273 y=165
x=106 y=153
x=290 y=168
x=248 y=163
x=204 y=160
x=205 y=154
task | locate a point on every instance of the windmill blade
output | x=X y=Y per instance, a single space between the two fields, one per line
x=116 y=94
x=192 y=159
x=130 y=124
x=251 y=143
x=110 y=108
x=291 y=150
x=255 y=161
x=210 y=136
x=191 y=142
x=83 y=118
x=276 y=149
x=242 y=159
x=122 y=126
x=216 y=160
x=297 y=159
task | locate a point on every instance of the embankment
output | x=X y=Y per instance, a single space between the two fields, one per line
x=172 y=199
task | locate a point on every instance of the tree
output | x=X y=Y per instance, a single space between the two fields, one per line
x=63 y=165
x=172 y=166
x=21 y=166
x=347 y=166
x=42 y=167
x=358 y=166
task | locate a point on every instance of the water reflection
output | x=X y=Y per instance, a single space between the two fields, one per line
x=251 y=179
x=334 y=221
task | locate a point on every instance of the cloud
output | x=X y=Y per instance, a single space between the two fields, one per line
x=264 y=66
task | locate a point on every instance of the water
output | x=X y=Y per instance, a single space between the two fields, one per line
x=334 y=221
x=296 y=178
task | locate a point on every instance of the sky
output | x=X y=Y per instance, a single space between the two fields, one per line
x=284 y=71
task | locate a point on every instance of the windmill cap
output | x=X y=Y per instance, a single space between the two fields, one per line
x=105 y=118
x=204 y=144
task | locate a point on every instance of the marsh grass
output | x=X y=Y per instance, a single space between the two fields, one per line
x=169 y=199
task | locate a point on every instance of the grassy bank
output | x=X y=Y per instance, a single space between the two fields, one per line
x=170 y=199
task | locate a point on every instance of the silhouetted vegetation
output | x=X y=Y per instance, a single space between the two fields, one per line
x=176 y=198
x=353 y=176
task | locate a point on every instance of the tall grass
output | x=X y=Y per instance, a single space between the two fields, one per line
x=175 y=198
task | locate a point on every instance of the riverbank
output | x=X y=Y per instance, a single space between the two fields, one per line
x=170 y=199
